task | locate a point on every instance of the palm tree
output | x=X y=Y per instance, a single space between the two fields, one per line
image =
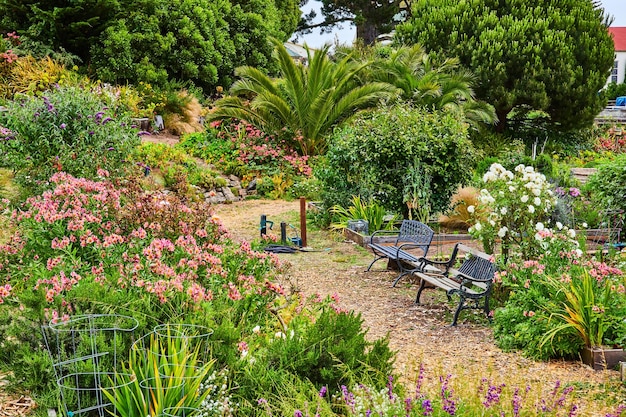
x=423 y=82
x=306 y=100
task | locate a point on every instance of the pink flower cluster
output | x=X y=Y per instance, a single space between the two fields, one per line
x=5 y=291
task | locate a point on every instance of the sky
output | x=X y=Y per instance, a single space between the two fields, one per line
x=346 y=35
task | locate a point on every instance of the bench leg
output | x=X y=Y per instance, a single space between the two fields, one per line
x=419 y=292
x=374 y=261
x=399 y=276
x=487 y=311
x=458 y=311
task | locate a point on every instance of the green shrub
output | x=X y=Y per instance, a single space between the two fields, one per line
x=372 y=155
x=609 y=183
x=67 y=129
x=332 y=351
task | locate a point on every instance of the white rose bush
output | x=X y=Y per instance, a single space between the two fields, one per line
x=513 y=207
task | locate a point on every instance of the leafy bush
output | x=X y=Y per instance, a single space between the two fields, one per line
x=372 y=155
x=614 y=90
x=512 y=207
x=332 y=351
x=609 y=183
x=67 y=129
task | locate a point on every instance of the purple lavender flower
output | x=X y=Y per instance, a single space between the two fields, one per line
x=517 y=402
x=107 y=120
x=297 y=413
x=143 y=133
x=98 y=116
x=420 y=380
x=390 y=387
x=573 y=410
x=427 y=407
x=62 y=126
x=323 y=391
x=262 y=401
x=574 y=192
x=368 y=413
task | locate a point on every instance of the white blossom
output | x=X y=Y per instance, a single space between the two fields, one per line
x=524 y=198
x=559 y=225
x=503 y=210
x=470 y=209
x=478 y=227
x=585 y=225
x=539 y=227
x=537 y=201
x=531 y=209
x=502 y=231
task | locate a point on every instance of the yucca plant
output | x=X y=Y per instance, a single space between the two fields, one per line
x=370 y=210
x=165 y=375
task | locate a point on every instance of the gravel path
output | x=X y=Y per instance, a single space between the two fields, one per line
x=420 y=334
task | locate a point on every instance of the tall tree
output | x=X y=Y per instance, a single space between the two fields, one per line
x=307 y=101
x=370 y=17
x=549 y=55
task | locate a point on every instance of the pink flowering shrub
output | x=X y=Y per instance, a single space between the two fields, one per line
x=88 y=247
x=560 y=301
x=242 y=149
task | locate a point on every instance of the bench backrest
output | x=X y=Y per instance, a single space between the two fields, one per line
x=413 y=231
x=476 y=264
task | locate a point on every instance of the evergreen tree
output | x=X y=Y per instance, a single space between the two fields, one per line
x=549 y=55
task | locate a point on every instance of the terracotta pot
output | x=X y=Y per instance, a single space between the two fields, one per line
x=601 y=358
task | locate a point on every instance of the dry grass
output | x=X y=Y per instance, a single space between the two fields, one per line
x=459 y=218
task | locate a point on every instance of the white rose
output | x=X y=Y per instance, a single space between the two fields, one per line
x=478 y=227
x=559 y=225
x=470 y=209
x=539 y=227
x=502 y=231
x=492 y=223
x=571 y=233
x=537 y=201
x=524 y=198
x=537 y=192
x=531 y=209
x=511 y=188
x=585 y=225
x=503 y=210
x=256 y=330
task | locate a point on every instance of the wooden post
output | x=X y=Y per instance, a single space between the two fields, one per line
x=303 y=220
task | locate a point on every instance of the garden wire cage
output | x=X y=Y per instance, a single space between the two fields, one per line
x=85 y=352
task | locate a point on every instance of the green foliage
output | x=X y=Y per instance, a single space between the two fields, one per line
x=371 y=211
x=369 y=157
x=428 y=83
x=155 y=41
x=332 y=351
x=608 y=184
x=614 y=90
x=176 y=165
x=525 y=53
x=68 y=129
x=162 y=376
x=306 y=101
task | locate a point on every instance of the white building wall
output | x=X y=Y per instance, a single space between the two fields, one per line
x=620 y=57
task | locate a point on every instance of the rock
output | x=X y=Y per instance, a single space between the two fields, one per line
x=228 y=194
x=252 y=185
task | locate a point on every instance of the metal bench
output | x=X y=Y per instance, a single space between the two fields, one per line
x=472 y=280
x=412 y=235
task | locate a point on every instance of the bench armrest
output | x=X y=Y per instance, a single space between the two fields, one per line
x=383 y=233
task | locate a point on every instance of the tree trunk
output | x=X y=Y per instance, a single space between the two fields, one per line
x=502 y=114
x=367 y=31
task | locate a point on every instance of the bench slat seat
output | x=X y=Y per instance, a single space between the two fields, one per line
x=472 y=281
x=411 y=236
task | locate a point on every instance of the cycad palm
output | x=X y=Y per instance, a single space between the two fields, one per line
x=308 y=101
x=436 y=86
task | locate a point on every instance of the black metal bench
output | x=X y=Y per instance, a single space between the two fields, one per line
x=472 y=280
x=412 y=235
